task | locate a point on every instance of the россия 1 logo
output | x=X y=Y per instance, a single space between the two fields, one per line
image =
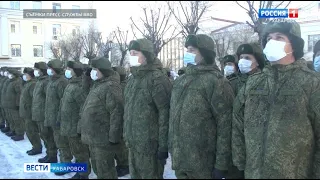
x=278 y=13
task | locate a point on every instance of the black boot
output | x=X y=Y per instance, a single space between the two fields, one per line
x=51 y=160
x=61 y=173
x=122 y=170
x=34 y=152
x=2 y=126
x=42 y=160
x=6 y=129
x=17 y=138
x=11 y=133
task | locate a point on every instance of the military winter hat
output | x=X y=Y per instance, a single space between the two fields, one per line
x=40 y=65
x=28 y=71
x=288 y=28
x=200 y=41
x=101 y=63
x=120 y=70
x=55 y=64
x=229 y=58
x=14 y=72
x=145 y=46
x=253 y=49
x=74 y=65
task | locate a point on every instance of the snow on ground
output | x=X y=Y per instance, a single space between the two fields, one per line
x=13 y=155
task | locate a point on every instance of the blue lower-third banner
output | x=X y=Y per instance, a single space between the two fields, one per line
x=55 y=167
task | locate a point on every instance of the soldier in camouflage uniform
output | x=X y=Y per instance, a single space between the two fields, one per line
x=9 y=127
x=38 y=112
x=25 y=112
x=2 y=115
x=72 y=101
x=146 y=118
x=200 y=116
x=122 y=154
x=12 y=99
x=316 y=58
x=57 y=84
x=102 y=118
x=276 y=124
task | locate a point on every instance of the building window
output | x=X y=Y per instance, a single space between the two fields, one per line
x=56 y=29
x=15 y=5
x=15 y=50
x=75 y=9
x=76 y=30
x=312 y=39
x=37 y=51
x=36 y=28
x=14 y=26
x=36 y=5
x=56 y=7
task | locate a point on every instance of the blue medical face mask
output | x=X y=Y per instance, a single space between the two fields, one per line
x=49 y=72
x=316 y=64
x=189 y=58
x=68 y=74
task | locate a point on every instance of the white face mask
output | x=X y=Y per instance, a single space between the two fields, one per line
x=24 y=77
x=134 y=61
x=68 y=74
x=5 y=74
x=274 y=50
x=244 y=66
x=94 y=74
x=10 y=76
x=36 y=73
x=49 y=72
x=1 y=73
x=228 y=70
x=189 y=58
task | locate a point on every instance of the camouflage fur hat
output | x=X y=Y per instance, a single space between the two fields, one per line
x=288 y=28
x=14 y=72
x=229 y=58
x=40 y=65
x=28 y=71
x=253 y=49
x=205 y=45
x=145 y=46
x=74 y=65
x=101 y=63
x=316 y=49
x=55 y=64
x=120 y=70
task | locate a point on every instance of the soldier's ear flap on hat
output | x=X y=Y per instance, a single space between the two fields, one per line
x=191 y=40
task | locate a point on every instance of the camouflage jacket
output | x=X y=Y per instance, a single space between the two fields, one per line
x=55 y=89
x=237 y=81
x=146 y=116
x=73 y=98
x=276 y=124
x=12 y=95
x=26 y=99
x=39 y=98
x=86 y=83
x=200 y=120
x=3 y=93
x=2 y=82
x=102 y=115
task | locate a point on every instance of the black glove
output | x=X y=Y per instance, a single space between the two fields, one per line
x=88 y=71
x=218 y=174
x=163 y=155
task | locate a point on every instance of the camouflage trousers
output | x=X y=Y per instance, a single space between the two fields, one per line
x=32 y=132
x=102 y=160
x=145 y=166
x=122 y=155
x=17 y=121
x=62 y=143
x=81 y=152
x=9 y=120
x=2 y=117
x=46 y=134
x=200 y=174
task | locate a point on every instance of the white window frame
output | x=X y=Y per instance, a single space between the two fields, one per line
x=16 y=27
x=14 y=52
x=56 y=29
x=39 y=48
x=39 y=28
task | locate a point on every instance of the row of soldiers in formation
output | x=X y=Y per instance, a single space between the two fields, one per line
x=263 y=122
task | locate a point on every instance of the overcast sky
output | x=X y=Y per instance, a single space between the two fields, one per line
x=111 y=14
